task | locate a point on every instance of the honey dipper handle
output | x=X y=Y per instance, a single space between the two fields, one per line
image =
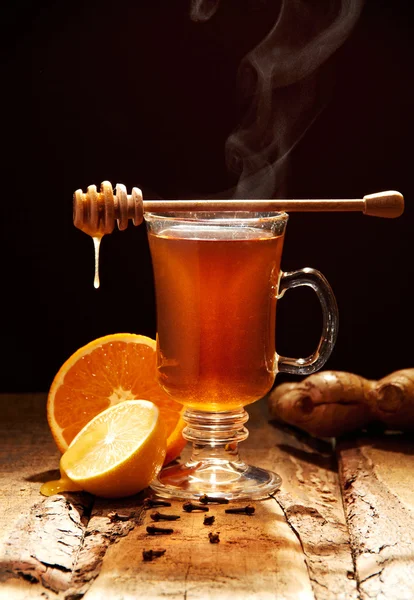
x=384 y=204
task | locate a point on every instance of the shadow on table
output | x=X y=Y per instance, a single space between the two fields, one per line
x=389 y=441
x=44 y=476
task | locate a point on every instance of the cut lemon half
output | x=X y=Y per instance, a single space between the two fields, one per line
x=117 y=454
x=104 y=373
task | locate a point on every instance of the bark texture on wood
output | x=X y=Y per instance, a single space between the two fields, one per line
x=45 y=544
x=59 y=545
x=378 y=490
x=49 y=547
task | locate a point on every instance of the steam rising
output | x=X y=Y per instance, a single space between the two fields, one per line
x=203 y=10
x=281 y=79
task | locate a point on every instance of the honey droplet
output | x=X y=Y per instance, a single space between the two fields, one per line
x=97 y=245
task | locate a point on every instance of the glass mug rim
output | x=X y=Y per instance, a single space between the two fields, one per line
x=218 y=217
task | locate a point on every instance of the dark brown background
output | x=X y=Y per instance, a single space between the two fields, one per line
x=135 y=92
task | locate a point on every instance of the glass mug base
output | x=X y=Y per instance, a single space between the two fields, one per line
x=215 y=468
x=234 y=481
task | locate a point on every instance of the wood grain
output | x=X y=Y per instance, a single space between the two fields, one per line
x=27 y=455
x=296 y=545
x=52 y=548
x=257 y=557
x=378 y=490
x=312 y=503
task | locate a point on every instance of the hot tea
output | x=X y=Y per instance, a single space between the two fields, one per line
x=216 y=294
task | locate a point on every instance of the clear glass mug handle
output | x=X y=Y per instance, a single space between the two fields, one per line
x=315 y=280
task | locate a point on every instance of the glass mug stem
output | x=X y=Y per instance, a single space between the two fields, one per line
x=215 y=467
x=217 y=282
x=215 y=437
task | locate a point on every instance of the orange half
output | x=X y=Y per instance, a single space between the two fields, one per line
x=109 y=370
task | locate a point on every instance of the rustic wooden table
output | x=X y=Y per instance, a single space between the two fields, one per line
x=341 y=527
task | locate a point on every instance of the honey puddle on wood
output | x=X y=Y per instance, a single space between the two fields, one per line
x=64 y=484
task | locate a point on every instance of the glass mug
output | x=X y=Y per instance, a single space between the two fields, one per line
x=217 y=281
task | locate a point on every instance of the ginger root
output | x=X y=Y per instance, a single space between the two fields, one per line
x=332 y=403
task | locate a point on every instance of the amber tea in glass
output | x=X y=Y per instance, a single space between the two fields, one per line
x=217 y=282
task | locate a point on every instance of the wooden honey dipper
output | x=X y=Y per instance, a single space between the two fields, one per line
x=95 y=212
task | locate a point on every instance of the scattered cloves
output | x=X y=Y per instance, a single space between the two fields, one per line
x=242 y=510
x=190 y=507
x=157 y=516
x=212 y=500
x=148 y=555
x=208 y=520
x=152 y=530
x=214 y=537
x=153 y=502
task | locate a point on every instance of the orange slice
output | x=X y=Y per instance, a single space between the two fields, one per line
x=109 y=370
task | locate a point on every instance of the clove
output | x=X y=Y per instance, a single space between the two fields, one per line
x=151 y=554
x=213 y=500
x=190 y=507
x=153 y=502
x=157 y=516
x=241 y=510
x=214 y=537
x=209 y=520
x=153 y=530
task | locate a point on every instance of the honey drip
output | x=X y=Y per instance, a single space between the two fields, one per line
x=97 y=245
x=64 y=484
x=96 y=213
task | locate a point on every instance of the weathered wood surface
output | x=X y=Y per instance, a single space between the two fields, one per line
x=295 y=546
x=377 y=476
x=27 y=454
x=311 y=500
